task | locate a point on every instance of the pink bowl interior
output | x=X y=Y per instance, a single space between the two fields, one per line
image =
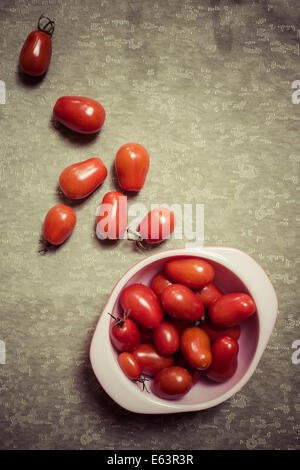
x=205 y=390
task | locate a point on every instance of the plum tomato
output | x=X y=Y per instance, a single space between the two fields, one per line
x=129 y=365
x=230 y=309
x=132 y=164
x=143 y=305
x=224 y=359
x=124 y=334
x=213 y=332
x=182 y=303
x=166 y=338
x=157 y=225
x=79 y=180
x=59 y=223
x=80 y=114
x=36 y=52
x=209 y=294
x=150 y=360
x=195 y=347
x=159 y=283
x=172 y=383
x=192 y=272
x=112 y=218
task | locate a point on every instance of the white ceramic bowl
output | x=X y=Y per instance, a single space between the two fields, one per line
x=235 y=272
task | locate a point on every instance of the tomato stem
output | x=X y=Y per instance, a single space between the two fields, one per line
x=143 y=381
x=44 y=246
x=48 y=27
x=119 y=322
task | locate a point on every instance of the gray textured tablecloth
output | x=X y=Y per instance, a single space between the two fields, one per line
x=206 y=86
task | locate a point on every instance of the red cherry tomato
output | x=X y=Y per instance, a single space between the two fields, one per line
x=80 y=114
x=59 y=224
x=150 y=360
x=129 y=365
x=166 y=338
x=209 y=294
x=36 y=52
x=230 y=309
x=124 y=334
x=143 y=305
x=180 y=302
x=112 y=219
x=157 y=226
x=224 y=359
x=81 y=179
x=159 y=283
x=195 y=347
x=194 y=273
x=132 y=164
x=172 y=383
x=214 y=332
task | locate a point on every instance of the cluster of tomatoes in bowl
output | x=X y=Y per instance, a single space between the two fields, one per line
x=180 y=328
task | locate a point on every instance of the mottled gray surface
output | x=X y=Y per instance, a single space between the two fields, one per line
x=206 y=87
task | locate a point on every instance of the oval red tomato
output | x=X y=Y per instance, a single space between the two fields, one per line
x=166 y=338
x=159 y=283
x=213 y=332
x=132 y=164
x=182 y=303
x=129 y=365
x=150 y=360
x=112 y=219
x=224 y=359
x=142 y=305
x=209 y=294
x=230 y=309
x=157 y=225
x=81 y=179
x=193 y=272
x=124 y=334
x=80 y=114
x=172 y=383
x=195 y=347
x=59 y=223
x=36 y=52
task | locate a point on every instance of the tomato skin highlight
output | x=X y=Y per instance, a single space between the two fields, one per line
x=36 y=53
x=214 y=332
x=129 y=365
x=182 y=303
x=59 y=223
x=79 y=180
x=143 y=305
x=157 y=225
x=112 y=219
x=230 y=309
x=209 y=294
x=159 y=283
x=195 y=347
x=125 y=336
x=224 y=359
x=166 y=338
x=132 y=165
x=150 y=360
x=80 y=114
x=192 y=272
x=172 y=383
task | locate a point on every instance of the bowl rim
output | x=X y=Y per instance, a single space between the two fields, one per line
x=128 y=394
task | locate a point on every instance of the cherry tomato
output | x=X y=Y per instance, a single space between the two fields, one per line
x=150 y=360
x=143 y=305
x=124 y=334
x=214 y=332
x=81 y=179
x=132 y=164
x=195 y=347
x=112 y=219
x=159 y=283
x=172 y=383
x=157 y=226
x=36 y=52
x=59 y=224
x=129 y=365
x=230 y=309
x=166 y=338
x=194 y=273
x=80 y=114
x=180 y=302
x=224 y=359
x=209 y=294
